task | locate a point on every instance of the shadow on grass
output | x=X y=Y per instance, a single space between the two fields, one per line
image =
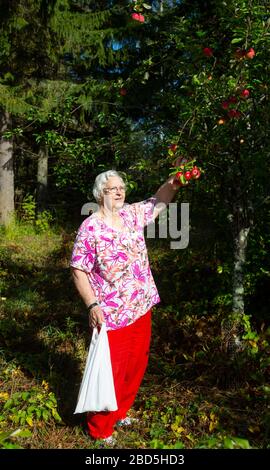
x=42 y=324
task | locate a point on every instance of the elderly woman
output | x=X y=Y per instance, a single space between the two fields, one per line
x=112 y=275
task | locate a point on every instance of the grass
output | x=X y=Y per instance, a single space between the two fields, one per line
x=183 y=402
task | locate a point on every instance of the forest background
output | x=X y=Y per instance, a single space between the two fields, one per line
x=85 y=87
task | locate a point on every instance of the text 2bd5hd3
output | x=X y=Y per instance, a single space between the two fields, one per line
x=155 y=459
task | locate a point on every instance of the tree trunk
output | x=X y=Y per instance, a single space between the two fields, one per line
x=6 y=172
x=240 y=244
x=42 y=178
x=232 y=327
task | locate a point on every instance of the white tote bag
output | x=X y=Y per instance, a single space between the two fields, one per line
x=97 y=388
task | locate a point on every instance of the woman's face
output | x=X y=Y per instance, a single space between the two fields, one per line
x=114 y=193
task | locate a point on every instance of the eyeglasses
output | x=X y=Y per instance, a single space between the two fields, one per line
x=114 y=189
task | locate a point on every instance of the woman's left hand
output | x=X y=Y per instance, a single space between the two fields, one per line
x=96 y=317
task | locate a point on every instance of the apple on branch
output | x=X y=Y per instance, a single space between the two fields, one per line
x=245 y=93
x=250 y=54
x=208 y=51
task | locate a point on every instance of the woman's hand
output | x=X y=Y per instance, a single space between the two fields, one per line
x=96 y=317
x=174 y=182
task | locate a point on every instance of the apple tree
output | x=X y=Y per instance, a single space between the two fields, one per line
x=223 y=117
x=206 y=69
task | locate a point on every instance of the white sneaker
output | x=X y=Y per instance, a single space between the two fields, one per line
x=127 y=421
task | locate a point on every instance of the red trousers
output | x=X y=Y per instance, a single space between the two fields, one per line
x=129 y=348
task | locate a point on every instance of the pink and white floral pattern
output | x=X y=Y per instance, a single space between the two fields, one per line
x=117 y=265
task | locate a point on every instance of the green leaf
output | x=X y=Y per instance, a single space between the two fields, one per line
x=20 y=23
x=56 y=416
x=4 y=435
x=10 y=445
x=201 y=34
x=148 y=7
x=8 y=404
x=242 y=443
x=25 y=395
x=228 y=443
x=179 y=445
x=236 y=443
x=196 y=80
x=24 y=433
x=45 y=415
x=236 y=40
x=49 y=405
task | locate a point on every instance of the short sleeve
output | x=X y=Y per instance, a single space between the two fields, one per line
x=84 y=249
x=145 y=210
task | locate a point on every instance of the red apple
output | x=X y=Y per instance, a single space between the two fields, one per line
x=173 y=147
x=180 y=176
x=250 y=53
x=208 y=51
x=233 y=113
x=232 y=99
x=188 y=175
x=123 y=91
x=195 y=172
x=138 y=17
x=225 y=104
x=245 y=93
x=135 y=16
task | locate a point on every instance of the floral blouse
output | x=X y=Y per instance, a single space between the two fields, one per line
x=117 y=265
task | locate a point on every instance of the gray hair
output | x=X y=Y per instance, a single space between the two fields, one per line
x=100 y=183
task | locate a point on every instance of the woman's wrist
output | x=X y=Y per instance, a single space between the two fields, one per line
x=92 y=305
